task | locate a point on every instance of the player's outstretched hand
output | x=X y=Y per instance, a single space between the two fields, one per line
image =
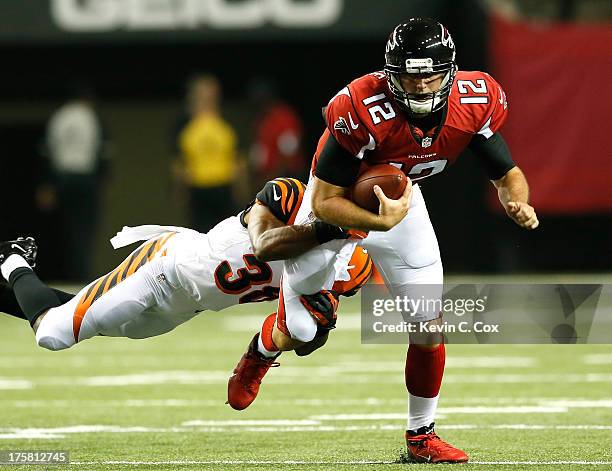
x=391 y=211
x=523 y=214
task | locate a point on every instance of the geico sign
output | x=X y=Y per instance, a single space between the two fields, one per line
x=105 y=15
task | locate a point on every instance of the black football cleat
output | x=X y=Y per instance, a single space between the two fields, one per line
x=24 y=246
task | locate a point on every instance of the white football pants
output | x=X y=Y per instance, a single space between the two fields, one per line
x=405 y=256
x=141 y=298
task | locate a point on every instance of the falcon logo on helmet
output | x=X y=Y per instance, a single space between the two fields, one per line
x=446 y=38
x=420 y=46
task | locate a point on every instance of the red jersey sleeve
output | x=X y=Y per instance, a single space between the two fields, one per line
x=479 y=103
x=344 y=124
x=498 y=110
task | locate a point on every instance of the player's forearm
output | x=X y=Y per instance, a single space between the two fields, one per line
x=343 y=212
x=512 y=187
x=285 y=242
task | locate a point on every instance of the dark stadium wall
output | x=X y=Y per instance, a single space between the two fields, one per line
x=140 y=87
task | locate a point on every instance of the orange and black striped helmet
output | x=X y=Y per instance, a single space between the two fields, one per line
x=360 y=268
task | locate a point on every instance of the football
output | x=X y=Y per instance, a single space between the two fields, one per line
x=390 y=179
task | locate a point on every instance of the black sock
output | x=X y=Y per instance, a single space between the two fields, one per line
x=9 y=304
x=33 y=295
x=63 y=296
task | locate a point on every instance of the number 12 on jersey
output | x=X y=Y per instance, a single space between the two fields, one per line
x=377 y=112
x=479 y=87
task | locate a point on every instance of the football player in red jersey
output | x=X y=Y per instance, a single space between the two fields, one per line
x=418 y=114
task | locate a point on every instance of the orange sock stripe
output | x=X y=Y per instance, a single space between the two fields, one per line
x=266 y=333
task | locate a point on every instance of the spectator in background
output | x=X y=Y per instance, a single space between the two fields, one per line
x=78 y=167
x=206 y=164
x=277 y=136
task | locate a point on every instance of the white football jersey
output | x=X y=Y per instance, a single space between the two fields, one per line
x=218 y=269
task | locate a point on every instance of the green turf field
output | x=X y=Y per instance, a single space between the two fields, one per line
x=159 y=403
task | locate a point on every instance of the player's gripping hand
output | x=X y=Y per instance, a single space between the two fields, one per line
x=325 y=232
x=523 y=214
x=391 y=212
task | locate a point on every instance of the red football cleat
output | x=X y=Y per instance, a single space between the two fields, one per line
x=243 y=385
x=429 y=448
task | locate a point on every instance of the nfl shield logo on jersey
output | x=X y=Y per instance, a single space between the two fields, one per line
x=426 y=142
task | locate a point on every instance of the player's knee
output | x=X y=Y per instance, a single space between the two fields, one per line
x=425 y=259
x=53 y=343
x=303 y=328
x=51 y=336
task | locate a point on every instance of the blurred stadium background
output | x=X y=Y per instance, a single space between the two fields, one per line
x=552 y=57
x=538 y=403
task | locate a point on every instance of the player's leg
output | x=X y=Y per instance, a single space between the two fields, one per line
x=110 y=304
x=59 y=325
x=408 y=256
x=9 y=304
x=275 y=337
x=302 y=323
x=294 y=323
x=32 y=296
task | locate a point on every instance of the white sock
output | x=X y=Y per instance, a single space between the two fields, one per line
x=421 y=411
x=263 y=351
x=11 y=263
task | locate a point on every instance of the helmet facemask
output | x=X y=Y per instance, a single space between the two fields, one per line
x=421 y=104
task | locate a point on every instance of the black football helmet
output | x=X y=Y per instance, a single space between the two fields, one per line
x=420 y=46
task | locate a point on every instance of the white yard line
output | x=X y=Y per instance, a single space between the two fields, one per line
x=293 y=375
x=18 y=383
x=278 y=422
x=263 y=426
x=313 y=402
x=534 y=378
x=448 y=411
x=300 y=462
x=598 y=359
x=225 y=462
